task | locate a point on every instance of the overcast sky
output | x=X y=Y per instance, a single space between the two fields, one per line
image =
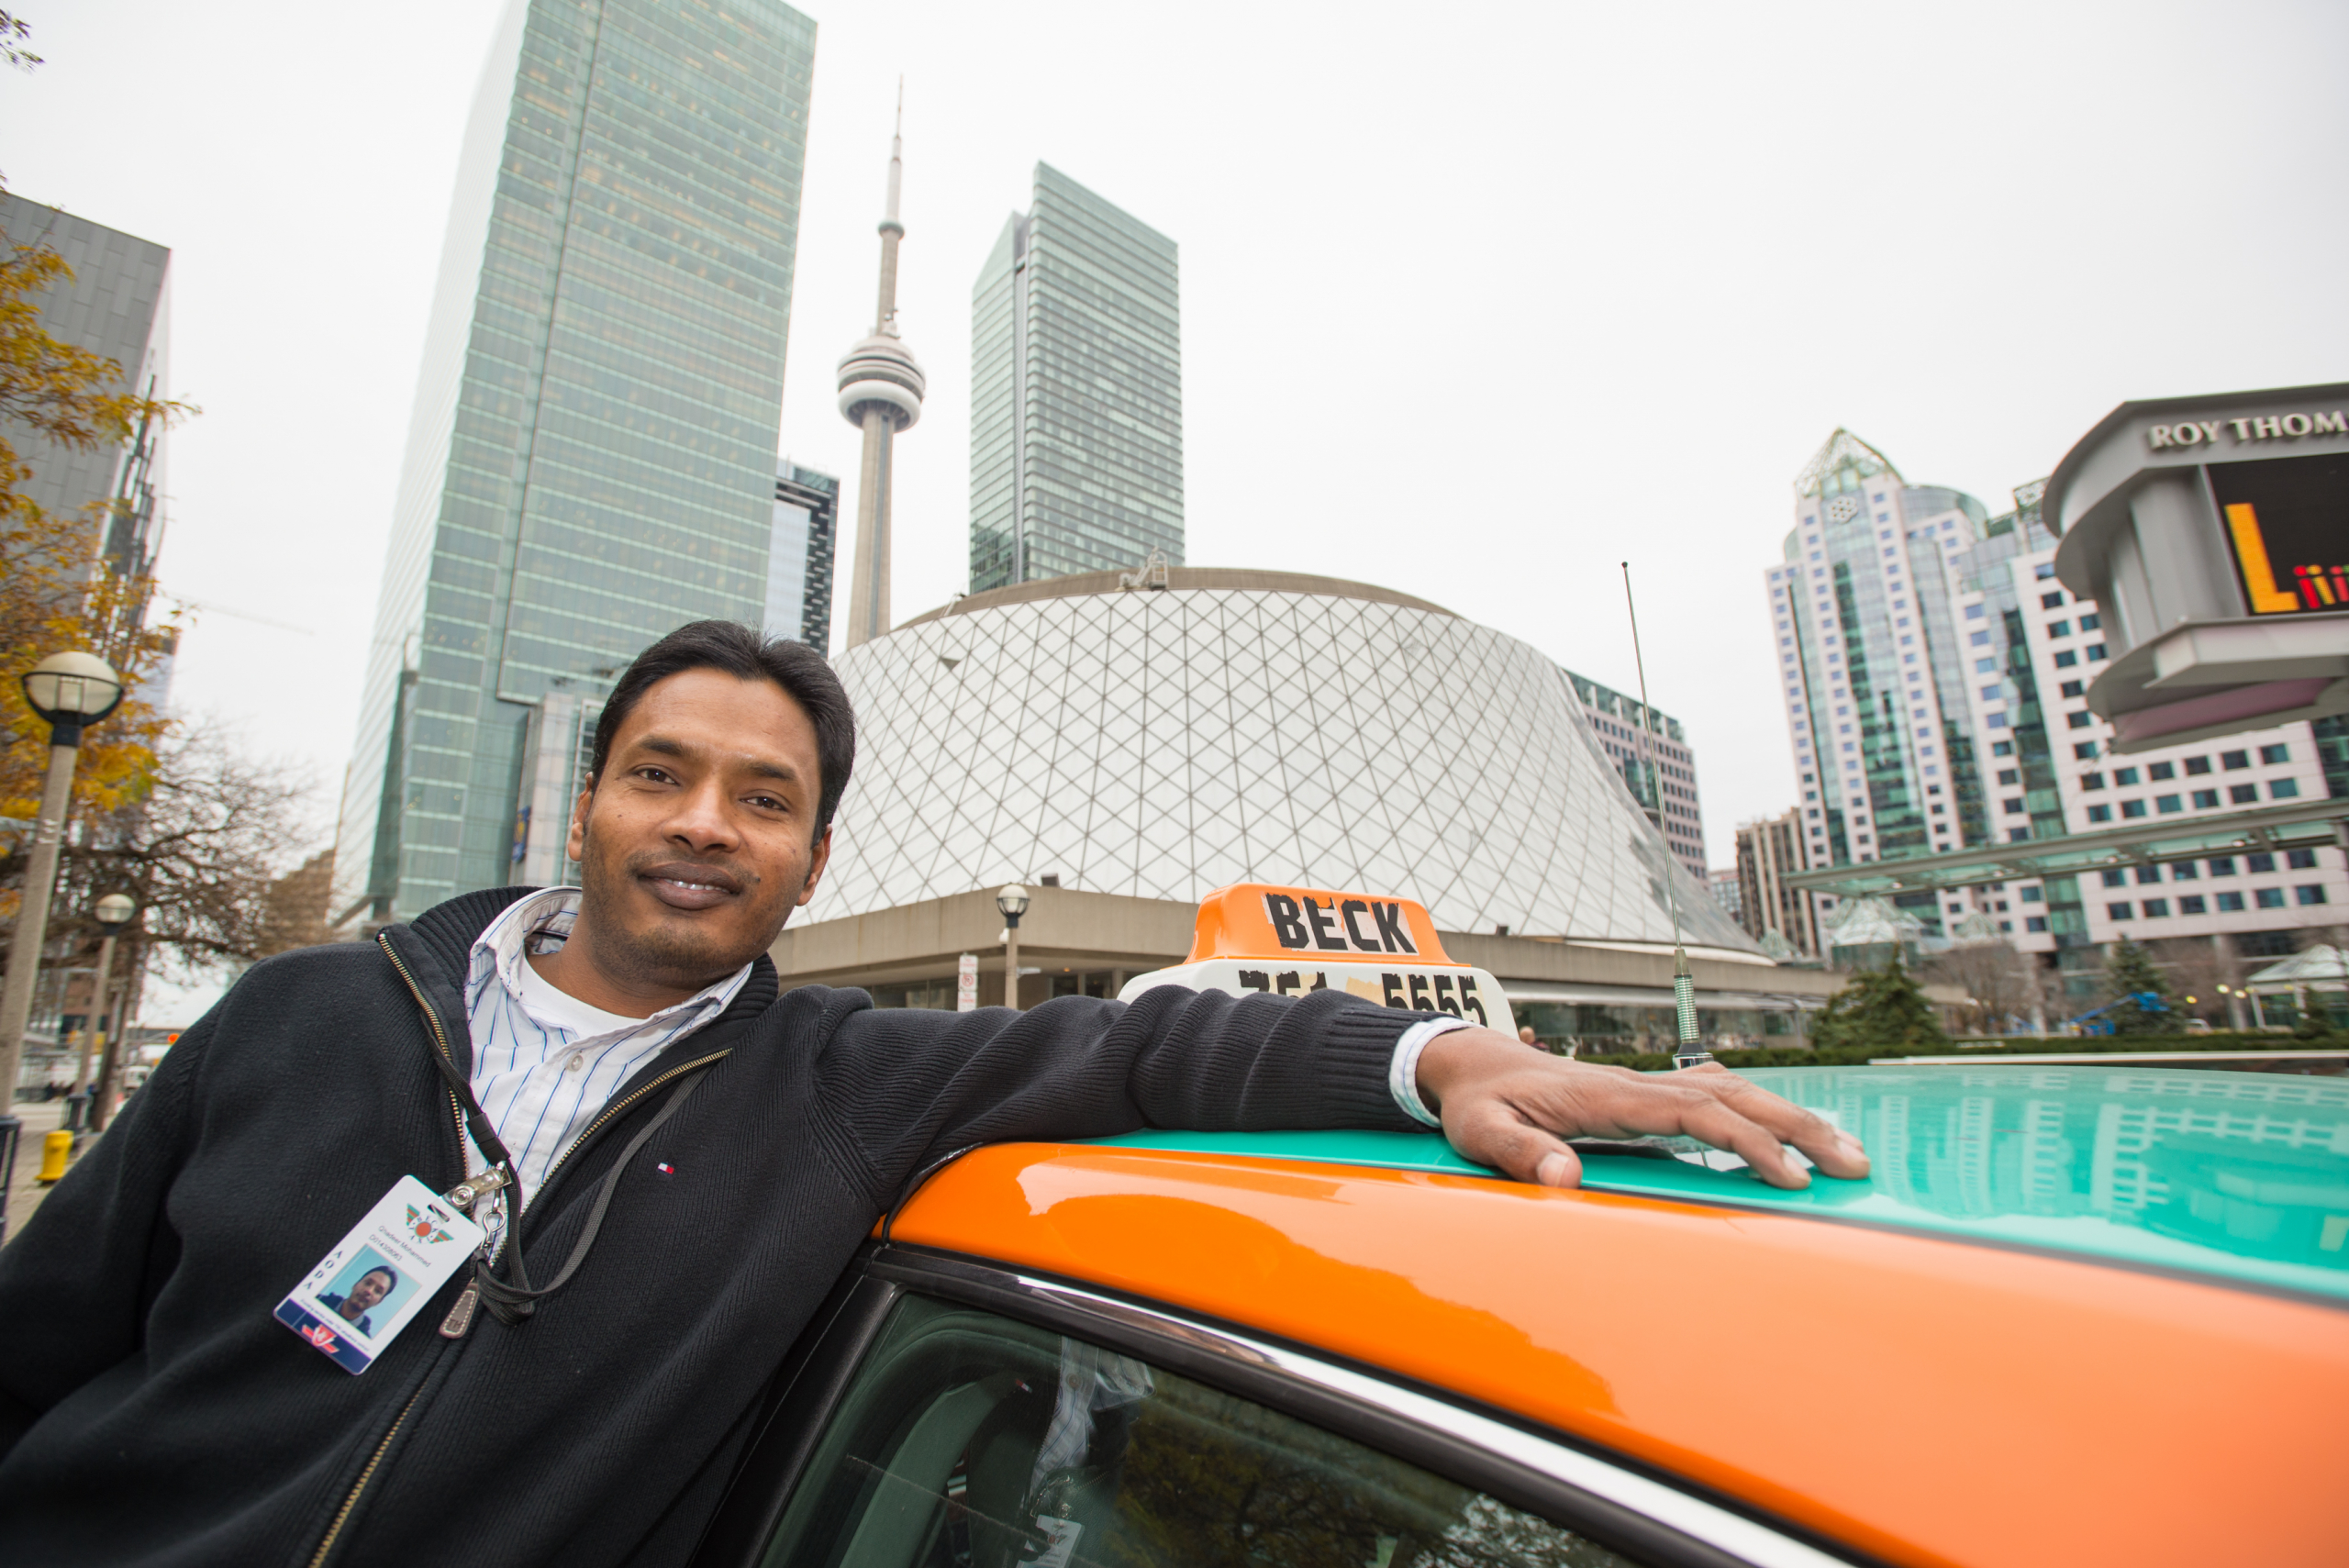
x=1477 y=300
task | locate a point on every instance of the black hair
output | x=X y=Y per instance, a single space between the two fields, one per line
x=391 y=1276
x=802 y=672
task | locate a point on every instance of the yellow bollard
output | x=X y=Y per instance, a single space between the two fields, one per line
x=55 y=1149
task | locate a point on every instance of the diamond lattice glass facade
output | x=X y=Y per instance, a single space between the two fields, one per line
x=591 y=461
x=1076 y=392
x=1160 y=745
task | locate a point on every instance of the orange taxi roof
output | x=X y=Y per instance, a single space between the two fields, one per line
x=1258 y=920
x=1926 y=1401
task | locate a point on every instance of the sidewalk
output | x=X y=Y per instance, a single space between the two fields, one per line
x=41 y=1118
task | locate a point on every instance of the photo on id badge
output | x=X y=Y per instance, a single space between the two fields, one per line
x=368 y=1292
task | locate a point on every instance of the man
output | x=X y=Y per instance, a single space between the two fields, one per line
x=678 y=1162
x=365 y=1292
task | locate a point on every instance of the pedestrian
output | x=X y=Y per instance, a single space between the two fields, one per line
x=667 y=1161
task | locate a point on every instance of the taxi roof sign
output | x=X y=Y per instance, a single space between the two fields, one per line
x=1258 y=920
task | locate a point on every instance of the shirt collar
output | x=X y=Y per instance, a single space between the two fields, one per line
x=542 y=922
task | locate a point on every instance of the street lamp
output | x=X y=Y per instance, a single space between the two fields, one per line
x=1012 y=899
x=69 y=692
x=114 y=912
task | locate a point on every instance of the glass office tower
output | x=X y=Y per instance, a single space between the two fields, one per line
x=1076 y=392
x=591 y=459
x=1875 y=666
x=799 y=555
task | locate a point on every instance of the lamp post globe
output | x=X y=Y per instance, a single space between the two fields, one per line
x=69 y=691
x=1012 y=899
x=114 y=910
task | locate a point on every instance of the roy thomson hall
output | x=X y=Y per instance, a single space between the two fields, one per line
x=1125 y=750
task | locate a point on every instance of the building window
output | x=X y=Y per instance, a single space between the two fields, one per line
x=2059 y=629
x=2132 y=808
x=2258 y=863
x=2072 y=688
x=2078 y=720
x=2091 y=780
x=2243 y=794
x=2160 y=770
x=2283 y=789
x=2149 y=877
x=2270 y=897
x=2224 y=865
x=2052 y=601
x=2013 y=803
x=2124 y=777
x=2233 y=760
x=2018 y=834
x=2089 y=623
x=1979 y=639
x=2065 y=659
x=2300 y=860
x=2095 y=651
x=2230 y=903
x=2311 y=892
x=2168 y=804
x=2198 y=766
x=2191 y=905
x=2275 y=753
x=2116 y=911
x=2116 y=879
x=2032 y=896
x=2084 y=752
x=2182 y=870
x=2156 y=908
x=2034 y=922
x=2204 y=799
x=2100 y=814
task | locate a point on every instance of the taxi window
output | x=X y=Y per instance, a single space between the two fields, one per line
x=969 y=1441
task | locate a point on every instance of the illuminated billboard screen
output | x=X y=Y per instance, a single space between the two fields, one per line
x=2288 y=528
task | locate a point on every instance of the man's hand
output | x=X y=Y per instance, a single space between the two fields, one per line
x=1509 y=1108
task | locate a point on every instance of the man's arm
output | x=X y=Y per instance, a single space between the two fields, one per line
x=77 y=1282
x=917 y=1085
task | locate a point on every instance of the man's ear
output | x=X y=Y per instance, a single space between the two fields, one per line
x=576 y=844
x=815 y=864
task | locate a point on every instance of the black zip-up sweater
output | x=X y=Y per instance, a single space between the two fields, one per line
x=152 y=1413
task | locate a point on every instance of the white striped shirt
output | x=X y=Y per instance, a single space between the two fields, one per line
x=544 y=1062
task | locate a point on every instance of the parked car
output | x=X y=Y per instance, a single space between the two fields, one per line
x=2077 y=1316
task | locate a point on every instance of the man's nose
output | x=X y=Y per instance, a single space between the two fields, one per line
x=702 y=820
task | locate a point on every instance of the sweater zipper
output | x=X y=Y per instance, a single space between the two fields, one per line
x=441 y=1043
x=513 y=1229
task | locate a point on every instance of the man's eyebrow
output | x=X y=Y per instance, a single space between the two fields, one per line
x=664 y=746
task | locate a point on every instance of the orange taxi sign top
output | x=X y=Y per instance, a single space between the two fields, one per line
x=1257 y=919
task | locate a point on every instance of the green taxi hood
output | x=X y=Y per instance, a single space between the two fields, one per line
x=2243 y=1177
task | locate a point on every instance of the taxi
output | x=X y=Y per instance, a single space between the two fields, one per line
x=2081 y=1315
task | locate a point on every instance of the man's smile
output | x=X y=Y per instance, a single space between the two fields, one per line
x=682 y=885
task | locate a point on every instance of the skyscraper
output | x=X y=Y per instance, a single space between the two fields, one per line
x=881 y=388
x=1076 y=392
x=1870 y=660
x=799 y=555
x=591 y=457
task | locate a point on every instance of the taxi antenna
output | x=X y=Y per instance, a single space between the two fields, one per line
x=1691 y=1052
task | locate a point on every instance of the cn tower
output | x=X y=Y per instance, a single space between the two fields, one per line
x=881 y=388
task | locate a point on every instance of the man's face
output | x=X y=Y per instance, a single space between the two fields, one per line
x=698 y=840
x=371 y=1288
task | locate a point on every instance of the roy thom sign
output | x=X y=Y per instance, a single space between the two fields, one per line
x=2266 y=427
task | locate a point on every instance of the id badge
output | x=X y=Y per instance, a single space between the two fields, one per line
x=362 y=1293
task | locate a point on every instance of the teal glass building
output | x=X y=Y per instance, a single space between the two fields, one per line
x=591 y=459
x=1076 y=392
